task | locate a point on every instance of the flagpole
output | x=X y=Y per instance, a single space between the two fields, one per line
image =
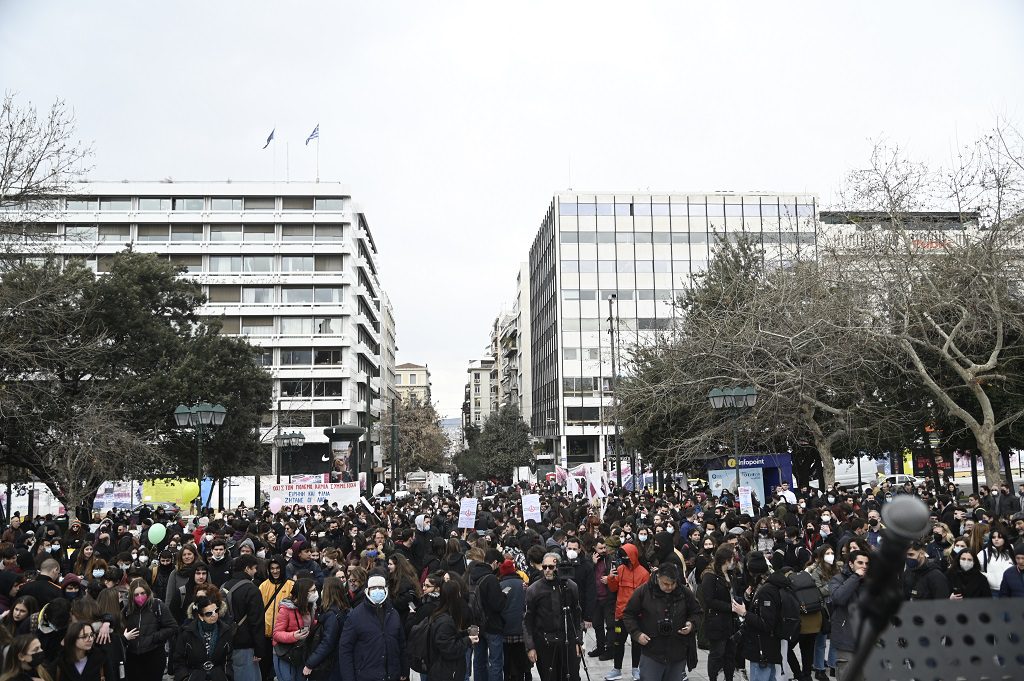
x=318 y=153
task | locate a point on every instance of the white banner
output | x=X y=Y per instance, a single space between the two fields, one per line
x=531 y=507
x=315 y=493
x=467 y=513
x=746 y=503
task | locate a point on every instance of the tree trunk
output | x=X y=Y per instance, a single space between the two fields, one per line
x=828 y=464
x=990 y=456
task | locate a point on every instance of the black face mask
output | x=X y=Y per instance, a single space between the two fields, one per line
x=37 y=659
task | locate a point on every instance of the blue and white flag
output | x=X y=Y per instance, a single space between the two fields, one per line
x=270 y=139
x=313 y=135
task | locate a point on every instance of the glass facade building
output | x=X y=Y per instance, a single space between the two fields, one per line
x=641 y=251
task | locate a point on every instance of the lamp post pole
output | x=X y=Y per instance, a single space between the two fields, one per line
x=615 y=412
x=395 y=466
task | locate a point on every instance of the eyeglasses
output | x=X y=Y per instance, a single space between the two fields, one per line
x=548 y=567
x=208 y=613
x=86 y=636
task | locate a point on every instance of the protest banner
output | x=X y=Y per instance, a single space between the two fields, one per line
x=316 y=493
x=531 y=507
x=746 y=502
x=467 y=513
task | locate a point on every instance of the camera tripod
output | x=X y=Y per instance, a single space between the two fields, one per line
x=570 y=634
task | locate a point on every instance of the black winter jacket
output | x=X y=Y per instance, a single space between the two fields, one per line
x=515 y=604
x=761 y=642
x=488 y=590
x=648 y=607
x=155 y=625
x=448 y=647
x=191 y=658
x=719 y=620
x=247 y=611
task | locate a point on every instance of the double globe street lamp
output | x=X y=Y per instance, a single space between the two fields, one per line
x=290 y=442
x=202 y=418
x=735 y=401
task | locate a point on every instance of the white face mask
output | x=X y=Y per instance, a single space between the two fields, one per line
x=571 y=554
x=966 y=565
x=313 y=596
x=830 y=558
x=262 y=553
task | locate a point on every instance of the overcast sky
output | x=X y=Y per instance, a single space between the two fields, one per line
x=454 y=122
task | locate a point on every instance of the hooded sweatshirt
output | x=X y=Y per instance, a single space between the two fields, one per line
x=627 y=579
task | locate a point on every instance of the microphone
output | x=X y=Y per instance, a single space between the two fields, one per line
x=906 y=520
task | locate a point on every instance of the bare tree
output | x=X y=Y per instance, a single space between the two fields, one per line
x=40 y=159
x=943 y=301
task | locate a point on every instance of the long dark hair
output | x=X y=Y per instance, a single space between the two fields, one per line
x=300 y=595
x=452 y=602
x=67 y=653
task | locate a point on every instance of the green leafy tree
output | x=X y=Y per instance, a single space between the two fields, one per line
x=504 y=442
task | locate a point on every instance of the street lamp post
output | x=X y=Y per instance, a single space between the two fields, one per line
x=612 y=322
x=735 y=400
x=201 y=418
x=290 y=442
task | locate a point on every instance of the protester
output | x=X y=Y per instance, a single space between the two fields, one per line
x=448 y=637
x=202 y=649
x=148 y=626
x=372 y=642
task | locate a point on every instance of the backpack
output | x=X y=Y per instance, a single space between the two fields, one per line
x=418 y=646
x=225 y=595
x=807 y=593
x=476 y=606
x=789 y=614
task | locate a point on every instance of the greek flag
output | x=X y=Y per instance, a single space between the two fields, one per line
x=270 y=139
x=313 y=135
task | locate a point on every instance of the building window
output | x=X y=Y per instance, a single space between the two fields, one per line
x=152 y=232
x=191 y=263
x=296 y=232
x=328 y=294
x=190 y=204
x=329 y=263
x=257 y=326
x=329 y=204
x=255 y=233
x=226 y=204
x=327 y=326
x=225 y=232
x=327 y=419
x=258 y=263
x=330 y=232
x=78 y=205
x=258 y=295
x=296 y=326
x=186 y=232
x=298 y=388
x=264 y=357
x=224 y=294
x=296 y=357
x=398 y=379
x=297 y=295
x=328 y=356
x=115 y=233
x=296 y=263
x=147 y=203
x=412 y=379
x=259 y=203
x=116 y=204
x=225 y=264
x=80 y=232
x=297 y=203
x=329 y=388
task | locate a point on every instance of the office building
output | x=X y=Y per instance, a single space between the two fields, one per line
x=292 y=267
x=481 y=392
x=639 y=251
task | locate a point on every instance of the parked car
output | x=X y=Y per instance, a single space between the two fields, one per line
x=169 y=507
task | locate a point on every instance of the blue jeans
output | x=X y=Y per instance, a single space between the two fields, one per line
x=244 y=666
x=762 y=672
x=285 y=672
x=489 y=658
x=820 y=659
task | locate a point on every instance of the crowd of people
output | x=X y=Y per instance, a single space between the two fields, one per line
x=354 y=594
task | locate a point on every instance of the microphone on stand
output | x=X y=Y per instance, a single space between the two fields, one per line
x=906 y=520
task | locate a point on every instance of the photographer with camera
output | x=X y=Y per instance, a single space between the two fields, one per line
x=626 y=576
x=553 y=622
x=662 y=616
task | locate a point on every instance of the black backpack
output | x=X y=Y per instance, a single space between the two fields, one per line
x=789 y=613
x=807 y=593
x=418 y=646
x=476 y=607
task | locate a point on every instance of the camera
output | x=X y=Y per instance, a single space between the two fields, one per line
x=665 y=627
x=565 y=570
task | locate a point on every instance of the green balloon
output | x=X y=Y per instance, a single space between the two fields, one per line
x=157 y=533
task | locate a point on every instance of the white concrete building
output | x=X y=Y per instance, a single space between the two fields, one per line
x=413 y=383
x=290 y=266
x=640 y=251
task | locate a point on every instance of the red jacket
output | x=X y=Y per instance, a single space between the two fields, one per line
x=628 y=578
